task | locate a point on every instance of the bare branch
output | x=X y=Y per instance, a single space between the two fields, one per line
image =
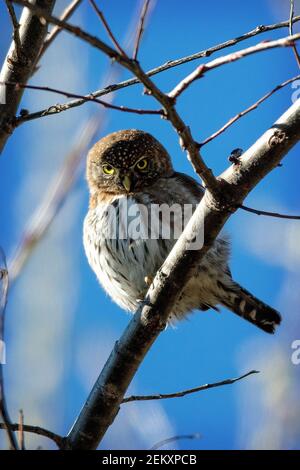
x=32 y=33
x=291 y=32
x=16 y=26
x=199 y=72
x=248 y=110
x=108 y=29
x=183 y=131
x=175 y=438
x=59 y=440
x=150 y=320
x=168 y=65
x=66 y=14
x=21 y=431
x=141 y=28
x=269 y=214
x=183 y=393
x=68 y=94
x=4 y=284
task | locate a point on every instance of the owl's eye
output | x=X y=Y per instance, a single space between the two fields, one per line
x=142 y=164
x=108 y=169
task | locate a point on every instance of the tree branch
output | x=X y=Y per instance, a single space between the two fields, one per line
x=59 y=440
x=68 y=94
x=4 y=283
x=200 y=71
x=150 y=320
x=291 y=32
x=248 y=110
x=108 y=29
x=16 y=26
x=141 y=28
x=168 y=65
x=19 y=65
x=269 y=214
x=183 y=393
x=168 y=103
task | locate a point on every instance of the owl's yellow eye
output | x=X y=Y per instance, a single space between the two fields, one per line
x=142 y=164
x=108 y=169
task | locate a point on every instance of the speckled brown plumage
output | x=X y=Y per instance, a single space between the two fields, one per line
x=130 y=169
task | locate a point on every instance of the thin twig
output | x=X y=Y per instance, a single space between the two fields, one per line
x=175 y=438
x=183 y=131
x=21 y=430
x=4 y=284
x=246 y=111
x=291 y=32
x=269 y=214
x=183 y=393
x=59 y=440
x=68 y=94
x=141 y=28
x=200 y=71
x=108 y=29
x=66 y=14
x=16 y=26
x=162 y=68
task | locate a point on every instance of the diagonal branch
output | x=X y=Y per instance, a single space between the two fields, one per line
x=248 y=110
x=141 y=28
x=291 y=32
x=184 y=133
x=16 y=26
x=168 y=65
x=183 y=393
x=200 y=71
x=19 y=65
x=108 y=29
x=150 y=320
x=91 y=98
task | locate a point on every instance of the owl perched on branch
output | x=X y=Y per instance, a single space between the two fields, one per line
x=130 y=176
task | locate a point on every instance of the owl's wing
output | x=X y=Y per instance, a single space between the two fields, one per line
x=192 y=186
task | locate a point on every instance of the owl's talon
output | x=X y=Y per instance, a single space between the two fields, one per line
x=148 y=280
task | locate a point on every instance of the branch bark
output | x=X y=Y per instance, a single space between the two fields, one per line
x=150 y=320
x=19 y=65
x=161 y=68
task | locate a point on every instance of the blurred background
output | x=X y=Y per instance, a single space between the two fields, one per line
x=61 y=326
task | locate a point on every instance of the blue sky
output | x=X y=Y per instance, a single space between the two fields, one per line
x=61 y=326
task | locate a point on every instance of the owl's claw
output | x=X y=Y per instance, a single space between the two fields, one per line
x=148 y=280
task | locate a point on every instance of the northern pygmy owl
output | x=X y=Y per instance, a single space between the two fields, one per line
x=130 y=169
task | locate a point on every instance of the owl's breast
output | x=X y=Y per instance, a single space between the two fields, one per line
x=123 y=245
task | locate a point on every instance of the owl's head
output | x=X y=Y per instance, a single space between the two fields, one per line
x=125 y=162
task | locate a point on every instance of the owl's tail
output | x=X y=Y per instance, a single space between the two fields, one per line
x=246 y=305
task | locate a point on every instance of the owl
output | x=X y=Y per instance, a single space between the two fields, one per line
x=138 y=203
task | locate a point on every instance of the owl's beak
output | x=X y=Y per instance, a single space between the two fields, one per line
x=126 y=181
